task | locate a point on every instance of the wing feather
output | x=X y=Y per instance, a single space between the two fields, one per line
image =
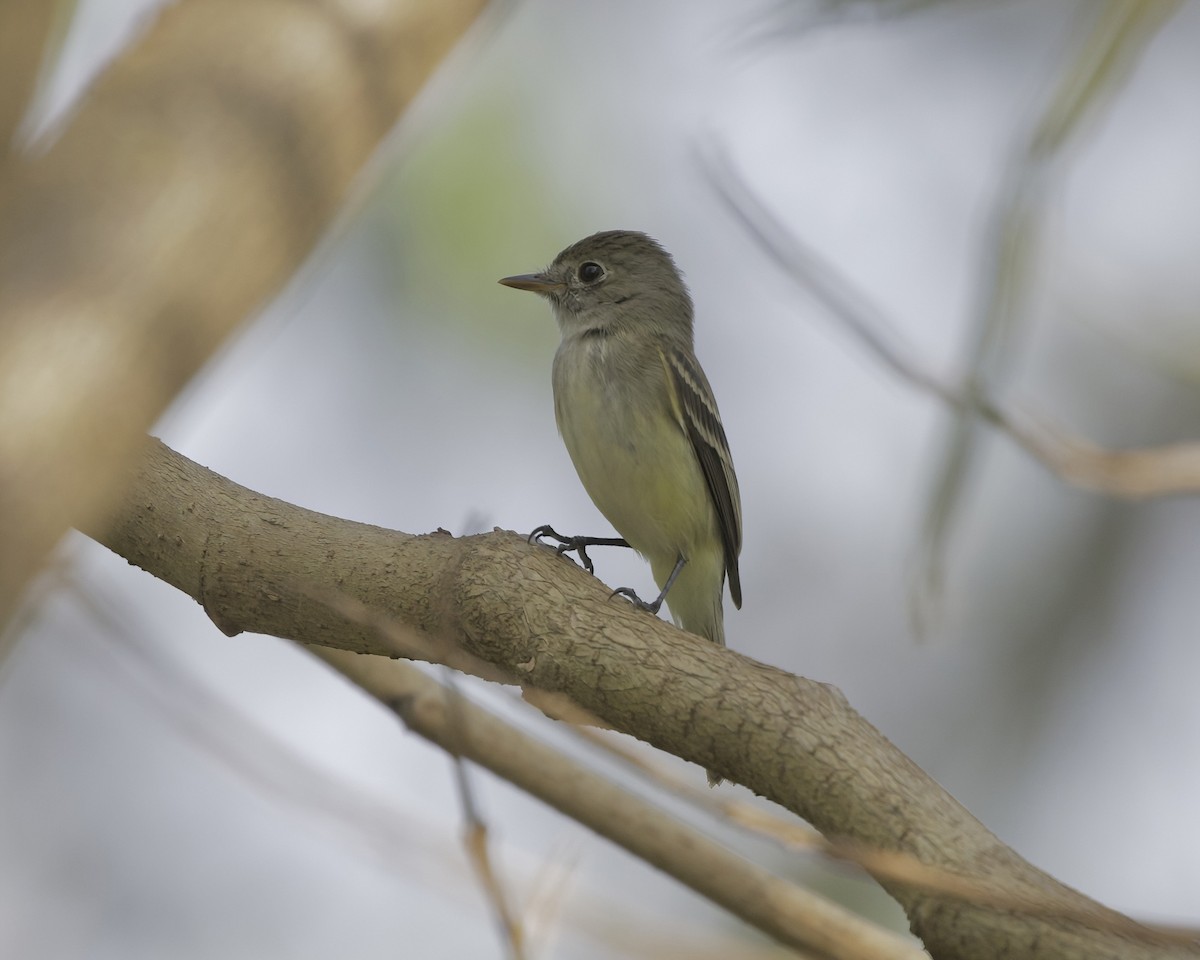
x=694 y=401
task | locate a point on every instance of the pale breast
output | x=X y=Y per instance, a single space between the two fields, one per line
x=632 y=456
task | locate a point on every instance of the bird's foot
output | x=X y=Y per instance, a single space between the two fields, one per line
x=631 y=595
x=577 y=545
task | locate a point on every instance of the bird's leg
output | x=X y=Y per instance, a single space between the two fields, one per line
x=577 y=545
x=655 y=605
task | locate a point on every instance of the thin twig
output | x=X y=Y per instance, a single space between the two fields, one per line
x=475 y=834
x=790 y=913
x=1119 y=31
x=1114 y=39
x=895 y=865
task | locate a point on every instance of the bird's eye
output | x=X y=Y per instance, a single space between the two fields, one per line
x=590 y=271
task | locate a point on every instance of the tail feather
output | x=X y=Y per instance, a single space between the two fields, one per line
x=696 y=605
x=695 y=599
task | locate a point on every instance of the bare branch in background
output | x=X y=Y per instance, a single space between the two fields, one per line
x=221 y=730
x=1133 y=474
x=224 y=731
x=1119 y=32
x=792 y=835
x=1114 y=35
x=787 y=18
x=475 y=832
x=779 y=908
x=820 y=278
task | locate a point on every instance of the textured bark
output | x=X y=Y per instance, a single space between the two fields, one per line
x=260 y=564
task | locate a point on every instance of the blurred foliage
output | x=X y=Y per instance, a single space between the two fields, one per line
x=458 y=214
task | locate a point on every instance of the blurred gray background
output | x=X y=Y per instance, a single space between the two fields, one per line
x=168 y=791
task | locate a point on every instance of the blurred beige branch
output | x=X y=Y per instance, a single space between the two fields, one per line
x=28 y=35
x=1134 y=474
x=194 y=177
x=1109 y=42
x=133 y=657
x=256 y=563
x=778 y=907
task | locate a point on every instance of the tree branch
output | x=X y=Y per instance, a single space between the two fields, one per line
x=26 y=30
x=1136 y=473
x=256 y=563
x=784 y=910
x=196 y=176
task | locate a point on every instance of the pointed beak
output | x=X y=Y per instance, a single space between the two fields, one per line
x=535 y=282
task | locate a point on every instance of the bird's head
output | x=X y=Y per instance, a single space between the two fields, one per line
x=613 y=279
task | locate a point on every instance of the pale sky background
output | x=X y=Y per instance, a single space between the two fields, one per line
x=396 y=383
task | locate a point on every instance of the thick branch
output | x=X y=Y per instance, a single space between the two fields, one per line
x=260 y=564
x=194 y=178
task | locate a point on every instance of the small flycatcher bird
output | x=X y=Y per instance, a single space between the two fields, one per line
x=640 y=422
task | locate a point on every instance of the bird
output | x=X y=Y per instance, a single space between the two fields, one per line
x=640 y=422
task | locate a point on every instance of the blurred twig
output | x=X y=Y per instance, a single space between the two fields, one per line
x=467 y=732
x=787 y=18
x=779 y=908
x=179 y=701
x=820 y=278
x=547 y=896
x=220 y=728
x=1119 y=31
x=402 y=640
x=475 y=835
x=1114 y=34
x=905 y=868
x=1133 y=474
x=793 y=740
x=459 y=733
x=896 y=865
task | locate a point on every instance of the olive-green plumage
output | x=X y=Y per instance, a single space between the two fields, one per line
x=639 y=420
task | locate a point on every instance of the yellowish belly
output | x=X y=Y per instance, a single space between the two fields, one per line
x=634 y=460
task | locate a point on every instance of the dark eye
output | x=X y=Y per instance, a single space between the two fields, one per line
x=590 y=271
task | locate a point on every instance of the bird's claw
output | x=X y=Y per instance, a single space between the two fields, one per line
x=576 y=545
x=631 y=595
x=545 y=530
